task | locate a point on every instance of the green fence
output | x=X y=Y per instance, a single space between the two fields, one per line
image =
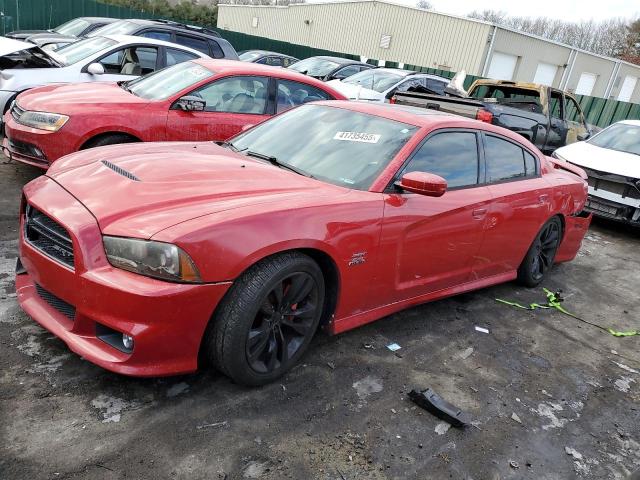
x=44 y=14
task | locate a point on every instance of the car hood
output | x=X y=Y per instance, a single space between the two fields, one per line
x=68 y=98
x=138 y=190
x=48 y=37
x=356 y=92
x=590 y=156
x=9 y=46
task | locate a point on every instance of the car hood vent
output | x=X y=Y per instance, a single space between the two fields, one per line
x=120 y=171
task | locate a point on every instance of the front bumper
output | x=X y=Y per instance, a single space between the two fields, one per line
x=166 y=320
x=31 y=145
x=609 y=205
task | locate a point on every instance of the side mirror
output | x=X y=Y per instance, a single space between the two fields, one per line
x=95 y=69
x=190 y=103
x=423 y=184
x=583 y=136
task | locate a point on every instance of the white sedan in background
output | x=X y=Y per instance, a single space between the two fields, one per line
x=107 y=58
x=611 y=159
x=379 y=84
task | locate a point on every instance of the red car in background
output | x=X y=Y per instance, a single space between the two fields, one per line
x=145 y=258
x=194 y=100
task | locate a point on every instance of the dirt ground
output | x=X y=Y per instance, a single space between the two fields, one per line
x=551 y=398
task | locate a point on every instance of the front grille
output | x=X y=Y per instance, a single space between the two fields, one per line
x=623 y=186
x=16 y=112
x=63 y=307
x=48 y=236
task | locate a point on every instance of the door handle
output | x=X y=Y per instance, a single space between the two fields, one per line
x=543 y=198
x=478 y=213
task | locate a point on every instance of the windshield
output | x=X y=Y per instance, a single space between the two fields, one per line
x=123 y=27
x=73 y=27
x=375 y=79
x=619 y=136
x=164 y=83
x=336 y=145
x=249 y=56
x=74 y=52
x=314 y=66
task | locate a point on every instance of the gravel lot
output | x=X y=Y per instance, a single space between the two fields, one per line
x=344 y=413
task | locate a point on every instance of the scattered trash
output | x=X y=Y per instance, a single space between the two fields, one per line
x=433 y=403
x=516 y=418
x=368 y=346
x=442 y=428
x=614 y=352
x=573 y=452
x=624 y=367
x=466 y=354
x=482 y=329
x=513 y=464
x=394 y=347
x=331 y=365
x=367 y=386
x=393 y=410
x=623 y=384
x=554 y=300
x=212 y=425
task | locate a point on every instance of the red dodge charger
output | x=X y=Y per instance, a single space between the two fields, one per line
x=144 y=258
x=196 y=100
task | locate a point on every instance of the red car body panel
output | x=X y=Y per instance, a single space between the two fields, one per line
x=228 y=211
x=99 y=108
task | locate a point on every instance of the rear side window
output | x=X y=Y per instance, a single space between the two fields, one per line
x=529 y=163
x=157 y=34
x=286 y=61
x=216 y=50
x=274 y=61
x=452 y=155
x=193 y=42
x=178 y=56
x=291 y=94
x=505 y=160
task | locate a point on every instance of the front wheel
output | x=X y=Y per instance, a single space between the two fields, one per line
x=267 y=320
x=541 y=254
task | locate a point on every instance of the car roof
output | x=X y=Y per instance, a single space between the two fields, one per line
x=99 y=19
x=267 y=52
x=401 y=71
x=249 y=68
x=150 y=41
x=631 y=122
x=336 y=59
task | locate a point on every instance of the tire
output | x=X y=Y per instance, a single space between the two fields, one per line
x=247 y=337
x=541 y=254
x=110 y=139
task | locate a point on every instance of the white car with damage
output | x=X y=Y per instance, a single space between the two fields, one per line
x=107 y=58
x=611 y=159
x=380 y=84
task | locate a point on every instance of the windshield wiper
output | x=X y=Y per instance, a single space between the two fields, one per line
x=274 y=161
x=230 y=146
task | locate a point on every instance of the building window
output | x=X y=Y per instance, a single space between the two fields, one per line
x=254 y=22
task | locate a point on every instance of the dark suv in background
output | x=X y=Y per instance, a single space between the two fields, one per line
x=204 y=40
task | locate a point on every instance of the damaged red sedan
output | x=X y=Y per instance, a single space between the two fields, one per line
x=146 y=258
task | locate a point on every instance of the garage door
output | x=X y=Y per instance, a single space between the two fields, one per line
x=586 y=83
x=545 y=74
x=502 y=66
x=627 y=88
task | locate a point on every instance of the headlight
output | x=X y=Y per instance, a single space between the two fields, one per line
x=43 y=120
x=152 y=259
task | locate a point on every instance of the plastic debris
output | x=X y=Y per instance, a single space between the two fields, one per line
x=394 y=347
x=554 y=300
x=466 y=354
x=624 y=367
x=513 y=464
x=212 y=425
x=573 y=452
x=433 y=403
x=442 y=428
x=516 y=418
x=482 y=329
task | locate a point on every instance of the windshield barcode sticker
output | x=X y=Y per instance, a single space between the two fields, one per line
x=357 y=137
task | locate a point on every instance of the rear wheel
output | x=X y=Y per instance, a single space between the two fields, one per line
x=541 y=254
x=110 y=139
x=267 y=320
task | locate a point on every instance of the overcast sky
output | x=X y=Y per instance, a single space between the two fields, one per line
x=573 y=10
